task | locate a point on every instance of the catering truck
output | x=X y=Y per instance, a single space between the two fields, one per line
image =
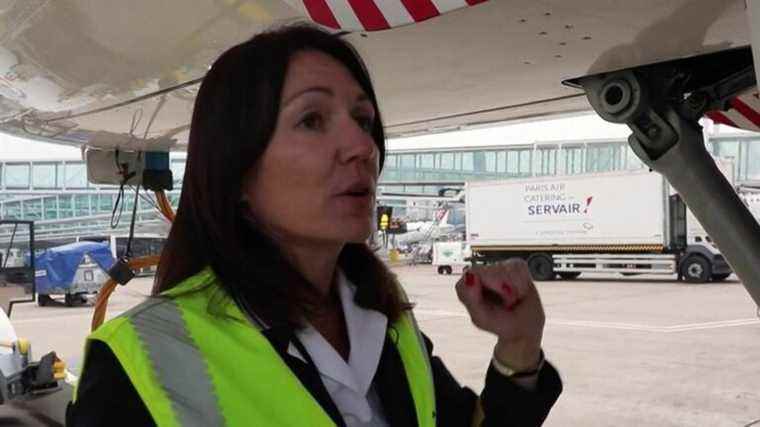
x=628 y=222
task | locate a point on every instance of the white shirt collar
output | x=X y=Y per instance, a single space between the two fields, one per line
x=366 y=335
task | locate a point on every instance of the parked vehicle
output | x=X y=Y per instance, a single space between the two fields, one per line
x=625 y=222
x=448 y=256
x=74 y=271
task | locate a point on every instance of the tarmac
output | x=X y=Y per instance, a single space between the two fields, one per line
x=637 y=351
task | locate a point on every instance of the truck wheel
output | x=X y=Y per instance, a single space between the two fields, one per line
x=720 y=277
x=447 y=269
x=569 y=275
x=541 y=267
x=43 y=300
x=440 y=270
x=71 y=300
x=696 y=269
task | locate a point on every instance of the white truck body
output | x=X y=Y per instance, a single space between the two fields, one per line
x=621 y=208
x=624 y=222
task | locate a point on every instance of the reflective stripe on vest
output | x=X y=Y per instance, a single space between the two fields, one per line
x=192 y=367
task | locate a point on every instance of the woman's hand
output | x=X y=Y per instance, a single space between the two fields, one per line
x=503 y=300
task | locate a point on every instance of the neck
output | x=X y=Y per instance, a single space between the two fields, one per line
x=315 y=261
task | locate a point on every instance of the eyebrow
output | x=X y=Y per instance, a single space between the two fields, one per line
x=320 y=89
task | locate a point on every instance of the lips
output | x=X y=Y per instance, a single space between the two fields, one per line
x=361 y=188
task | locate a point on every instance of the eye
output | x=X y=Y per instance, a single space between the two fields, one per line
x=312 y=121
x=366 y=122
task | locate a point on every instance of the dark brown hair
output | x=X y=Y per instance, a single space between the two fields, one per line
x=233 y=121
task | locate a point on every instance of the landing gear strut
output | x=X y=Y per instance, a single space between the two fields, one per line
x=662 y=104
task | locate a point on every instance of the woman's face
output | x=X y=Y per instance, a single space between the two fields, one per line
x=317 y=178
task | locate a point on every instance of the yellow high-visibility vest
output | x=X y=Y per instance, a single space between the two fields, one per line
x=192 y=367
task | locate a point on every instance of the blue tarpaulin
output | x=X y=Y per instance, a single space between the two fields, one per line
x=56 y=267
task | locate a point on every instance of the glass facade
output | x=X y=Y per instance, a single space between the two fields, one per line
x=57 y=192
x=45 y=175
x=75 y=175
x=502 y=163
x=178 y=171
x=745 y=153
x=17 y=175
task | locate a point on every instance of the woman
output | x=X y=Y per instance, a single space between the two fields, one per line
x=269 y=307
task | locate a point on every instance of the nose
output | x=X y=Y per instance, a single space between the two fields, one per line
x=356 y=144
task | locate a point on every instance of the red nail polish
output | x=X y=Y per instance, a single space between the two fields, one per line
x=469 y=279
x=507 y=288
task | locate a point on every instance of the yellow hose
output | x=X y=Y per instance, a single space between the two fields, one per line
x=101 y=305
x=164 y=205
x=105 y=292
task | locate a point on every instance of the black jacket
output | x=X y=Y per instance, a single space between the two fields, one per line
x=106 y=397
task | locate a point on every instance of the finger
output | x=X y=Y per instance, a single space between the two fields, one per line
x=474 y=295
x=517 y=271
x=468 y=289
x=499 y=287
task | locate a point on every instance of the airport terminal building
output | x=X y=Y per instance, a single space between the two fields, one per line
x=57 y=196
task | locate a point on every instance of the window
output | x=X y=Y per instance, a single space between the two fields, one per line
x=632 y=160
x=75 y=175
x=66 y=206
x=33 y=209
x=447 y=160
x=391 y=161
x=727 y=149
x=51 y=208
x=17 y=175
x=81 y=205
x=13 y=210
x=457 y=161
x=501 y=161
x=408 y=175
x=513 y=162
x=408 y=161
x=602 y=158
x=427 y=161
x=178 y=170
x=575 y=161
x=105 y=203
x=44 y=175
x=525 y=162
x=753 y=160
x=390 y=175
x=490 y=161
x=546 y=161
x=430 y=189
x=479 y=161
x=468 y=163
x=592 y=160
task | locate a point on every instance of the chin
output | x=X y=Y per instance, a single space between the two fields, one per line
x=355 y=233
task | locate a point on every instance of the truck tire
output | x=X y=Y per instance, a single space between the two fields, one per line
x=43 y=300
x=541 y=267
x=720 y=277
x=441 y=270
x=569 y=275
x=696 y=269
x=448 y=270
